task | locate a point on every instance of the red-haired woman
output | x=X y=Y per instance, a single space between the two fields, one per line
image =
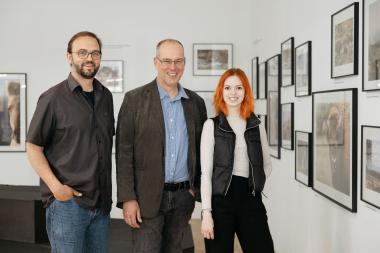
x=235 y=163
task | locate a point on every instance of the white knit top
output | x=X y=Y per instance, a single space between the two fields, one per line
x=241 y=161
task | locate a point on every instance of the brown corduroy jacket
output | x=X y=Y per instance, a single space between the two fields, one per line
x=140 y=146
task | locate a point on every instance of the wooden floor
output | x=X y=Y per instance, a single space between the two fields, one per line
x=198 y=239
x=119 y=241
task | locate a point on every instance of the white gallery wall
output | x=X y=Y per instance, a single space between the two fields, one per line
x=34 y=37
x=33 y=40
x=301 y=220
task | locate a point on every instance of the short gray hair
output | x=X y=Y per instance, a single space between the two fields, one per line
x=167 y=40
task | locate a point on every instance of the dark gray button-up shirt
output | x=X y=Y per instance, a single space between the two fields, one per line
x=77 y=140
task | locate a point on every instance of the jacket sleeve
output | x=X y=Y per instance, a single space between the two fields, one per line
x=265 y=148
x=197 y=178
x=125 y=133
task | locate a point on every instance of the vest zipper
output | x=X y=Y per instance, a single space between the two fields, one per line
x=253 y=177
x=229 y=182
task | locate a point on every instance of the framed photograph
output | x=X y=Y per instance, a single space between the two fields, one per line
x=287 y=123
x=370 y=186
x=304 y=158
x=371 y=45
x=303 y=69
x=344 y=41
x=262 y=81
x=12 y=112
x=287 y=62
x=335 y=146
x=110 y=74
x=255 y=76
x=211 y=59
x=208 y=97
x=274 y=106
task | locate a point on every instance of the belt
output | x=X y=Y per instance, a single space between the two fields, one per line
x=176 y=186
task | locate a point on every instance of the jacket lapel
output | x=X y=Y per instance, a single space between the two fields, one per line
x=188 y=110
x=155 y=108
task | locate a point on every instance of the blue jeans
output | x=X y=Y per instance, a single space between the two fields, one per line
x=74 y=229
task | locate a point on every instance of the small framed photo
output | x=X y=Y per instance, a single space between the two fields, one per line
x=370 y=186
x=287 y=123
x=344 y=41
x=211 y=59
x=304 y=158
x=255 y=76
x=208 y=97
x=12 y=112
x=287 y=62
x=274 y=106
x=262 y=91
x=303 y=69
x=110 y=74
x=371 y=48
x=335 y=146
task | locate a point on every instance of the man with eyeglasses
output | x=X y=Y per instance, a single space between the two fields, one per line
x=69 y=145
x=157 y=155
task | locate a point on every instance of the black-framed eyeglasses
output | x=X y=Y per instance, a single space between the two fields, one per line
x=83 y=54
x=168 y=62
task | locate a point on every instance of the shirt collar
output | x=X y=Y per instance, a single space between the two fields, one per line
x=73 y=84
x=164 y=94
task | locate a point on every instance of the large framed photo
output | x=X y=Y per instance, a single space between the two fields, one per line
x=255 y=76
x=208 y=97
x=370 y=186
x=12 y=112
x=110 y=74
x=304 y=155
x=287 y=126
x=303 y=69
x=287 y=62
x=344 y=41
x=262 y=81
x=335 y=146
x=211 y=59
x=371 y=45
x=274 y=106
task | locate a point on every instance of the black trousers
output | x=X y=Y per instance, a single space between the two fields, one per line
x=244 y=214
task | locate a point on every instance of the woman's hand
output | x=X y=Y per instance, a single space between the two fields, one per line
x=207 y=225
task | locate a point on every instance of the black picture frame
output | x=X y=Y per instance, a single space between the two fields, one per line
x=273 y=80
x=344 y=41
x=371 y=50
x=13 y=112
x=262 y=90
x=287 y=62
x=335 y=146
x=370 y=165
x=255 y=76
x=303 y=72
x=287 y=126
x=212 y=59
x=303 y=172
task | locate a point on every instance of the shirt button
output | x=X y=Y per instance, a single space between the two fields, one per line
x=172 y=155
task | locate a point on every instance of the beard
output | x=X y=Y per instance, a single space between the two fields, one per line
x=87 y=74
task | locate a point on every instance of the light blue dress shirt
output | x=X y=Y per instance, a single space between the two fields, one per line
x=176 y=136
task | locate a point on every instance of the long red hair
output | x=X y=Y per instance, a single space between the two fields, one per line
x=247 y=105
